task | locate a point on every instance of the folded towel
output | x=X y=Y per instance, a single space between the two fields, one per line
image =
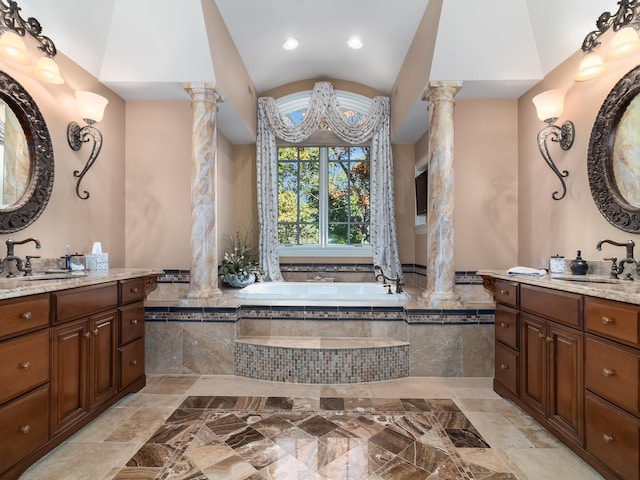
x=534 y=272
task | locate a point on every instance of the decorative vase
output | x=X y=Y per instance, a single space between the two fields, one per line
x=239 y=281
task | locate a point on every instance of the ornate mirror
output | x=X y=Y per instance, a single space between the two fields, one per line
x=613 y=163
x=26 y=158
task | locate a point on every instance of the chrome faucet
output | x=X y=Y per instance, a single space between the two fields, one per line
x=384 y=278
x=11 y=257
x=618 y=267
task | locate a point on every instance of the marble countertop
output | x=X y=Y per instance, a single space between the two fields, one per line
x=592 y=285
x=43 y=283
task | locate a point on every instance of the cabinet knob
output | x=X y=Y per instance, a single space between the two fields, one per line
x=608 y=373
x=134 y=362
x=504 y=292
x=541 y=335
x=27 y=315
x=504 y=325
x=504 y=367
x=134 y=290
x=549 y=339
x=25 y=365
x=607 y=320
x=607 y=438
x=95 y=332
x=25 y=429
x=87 y=335
x=134 y=321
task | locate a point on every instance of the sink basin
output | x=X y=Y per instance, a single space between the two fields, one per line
x=49 y=276
x=590 y=279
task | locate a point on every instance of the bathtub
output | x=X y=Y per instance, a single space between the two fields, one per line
x=321 y=291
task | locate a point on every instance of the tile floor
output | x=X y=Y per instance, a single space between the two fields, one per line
x=232 y=428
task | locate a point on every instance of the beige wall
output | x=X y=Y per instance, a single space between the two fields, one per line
x=158 y=173
x=403 y=184
x=485 y=185
x=68 y=220
x=546 y=226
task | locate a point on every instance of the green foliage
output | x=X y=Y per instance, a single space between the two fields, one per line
x=239 y=258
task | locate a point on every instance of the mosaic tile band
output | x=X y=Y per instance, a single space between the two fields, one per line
x=329 y=366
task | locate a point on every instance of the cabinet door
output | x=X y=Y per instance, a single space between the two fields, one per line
x=566 y=403
x=534 y=363
x=102 y=379
x=69 y=400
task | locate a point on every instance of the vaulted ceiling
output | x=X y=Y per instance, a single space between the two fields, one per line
x=146 y=49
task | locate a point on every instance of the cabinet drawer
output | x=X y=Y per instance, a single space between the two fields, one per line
x=24 y=426
x=612 y=319
x=24 y=364
x=562 y=307
x=80 y=302
x=507 y=363
x=612 y=436
x=506 y=292
x=131 y=322
x=131 y=362
x=23 y=314
x=612 y=373
x=132 y=290
x=507 y=326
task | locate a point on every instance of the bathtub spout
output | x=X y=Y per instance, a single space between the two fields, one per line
x=384 y=278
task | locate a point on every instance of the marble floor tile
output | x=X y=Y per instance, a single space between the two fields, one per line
x=228 y=428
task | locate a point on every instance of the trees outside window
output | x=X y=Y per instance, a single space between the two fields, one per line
x=323 y=196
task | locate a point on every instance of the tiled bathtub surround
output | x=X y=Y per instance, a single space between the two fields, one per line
x=202 y=339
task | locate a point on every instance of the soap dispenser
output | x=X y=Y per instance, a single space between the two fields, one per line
x=579 y=266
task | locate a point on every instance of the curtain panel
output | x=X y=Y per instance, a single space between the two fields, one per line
x=374 y=126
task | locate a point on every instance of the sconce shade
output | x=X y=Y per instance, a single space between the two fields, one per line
x=624 y=44
x=12 y=48
x=47 y=70
x=590 y=67
x=549 y=104
x=91 y=106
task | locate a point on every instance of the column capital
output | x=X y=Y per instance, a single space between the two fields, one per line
x=441 y=91
x=203 y=92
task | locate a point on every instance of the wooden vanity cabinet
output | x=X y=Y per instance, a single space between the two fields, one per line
x=579 y=370
x=65 y=357
x=24 y=377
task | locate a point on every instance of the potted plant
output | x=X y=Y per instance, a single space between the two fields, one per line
x=239 y=266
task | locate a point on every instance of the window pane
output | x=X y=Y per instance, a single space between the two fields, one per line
x=338 y=234
x=287 y=233
x=309 y=234
x=309 y=192
x=359 y=234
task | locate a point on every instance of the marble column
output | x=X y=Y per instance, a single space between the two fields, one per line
x=440 y=292
x=204 y=242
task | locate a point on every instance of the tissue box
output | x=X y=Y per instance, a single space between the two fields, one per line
x=96 y=261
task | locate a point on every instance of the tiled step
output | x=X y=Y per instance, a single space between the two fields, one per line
x=326 y=360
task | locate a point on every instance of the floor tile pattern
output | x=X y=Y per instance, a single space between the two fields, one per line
x=235 y=437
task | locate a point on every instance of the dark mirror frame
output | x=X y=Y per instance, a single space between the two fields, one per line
x=38 y=192
x=604 y=190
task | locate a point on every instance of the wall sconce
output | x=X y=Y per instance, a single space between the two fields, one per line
x=549 y=106
x=13 y=49
x=91 y=107
x=625 y=22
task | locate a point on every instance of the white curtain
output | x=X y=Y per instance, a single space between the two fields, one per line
x=374 y=126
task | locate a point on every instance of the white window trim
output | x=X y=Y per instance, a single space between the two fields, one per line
x=324 y=249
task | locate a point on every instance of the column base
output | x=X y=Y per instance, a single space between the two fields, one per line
x=441 y=299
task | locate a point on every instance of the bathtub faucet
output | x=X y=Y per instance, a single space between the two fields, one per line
x=384 y=278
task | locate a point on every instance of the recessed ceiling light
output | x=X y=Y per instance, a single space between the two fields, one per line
x=290 y=43
x=355 y=43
